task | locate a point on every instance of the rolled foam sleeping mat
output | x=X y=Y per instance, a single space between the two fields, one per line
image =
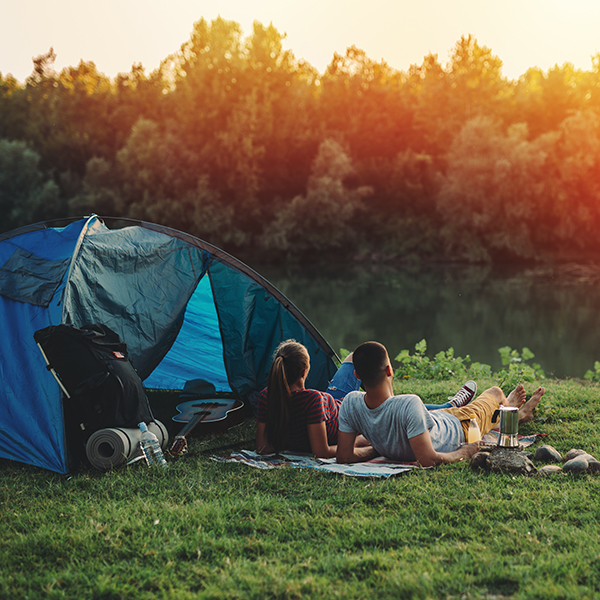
x=111 y=447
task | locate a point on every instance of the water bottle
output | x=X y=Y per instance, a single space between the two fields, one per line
x=474 y=434
x=151 y=448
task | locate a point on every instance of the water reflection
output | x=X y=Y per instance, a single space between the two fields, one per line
x=475 y=310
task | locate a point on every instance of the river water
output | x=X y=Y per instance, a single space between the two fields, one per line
x=553 y=311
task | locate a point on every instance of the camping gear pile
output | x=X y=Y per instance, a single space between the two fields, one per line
x=104 y=399
x=185 y=310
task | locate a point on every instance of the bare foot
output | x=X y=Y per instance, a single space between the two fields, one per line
x=517 y=397
x=526 y=412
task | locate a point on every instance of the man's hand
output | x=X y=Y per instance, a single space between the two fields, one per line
x=427 y=456
x=466 y=451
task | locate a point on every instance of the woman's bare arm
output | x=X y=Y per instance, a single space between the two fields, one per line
x=262 y=445
x=317 y=434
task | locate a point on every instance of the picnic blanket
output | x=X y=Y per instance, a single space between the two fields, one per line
x=491 y=437
x=377 y=467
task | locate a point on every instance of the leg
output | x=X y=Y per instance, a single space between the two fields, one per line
x=515 y=399
x=483 y=407
x=438 y=406
x=344 y=381
x=461 y=398
x=526 y=412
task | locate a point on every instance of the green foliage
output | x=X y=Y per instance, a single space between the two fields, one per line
x=444 y=365
x=344 y=353
x=447 y=160
x=493 y=189
x=320 y=220
x=593 y=375
x=26 y=195
x=517 y=368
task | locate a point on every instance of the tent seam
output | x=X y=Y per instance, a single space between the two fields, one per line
x=76 y=251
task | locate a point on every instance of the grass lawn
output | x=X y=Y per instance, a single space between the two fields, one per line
x=203 y=529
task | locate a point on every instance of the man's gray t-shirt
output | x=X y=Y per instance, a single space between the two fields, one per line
x=390 y=426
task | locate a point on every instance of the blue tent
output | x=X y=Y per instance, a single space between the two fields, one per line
x=186 y=310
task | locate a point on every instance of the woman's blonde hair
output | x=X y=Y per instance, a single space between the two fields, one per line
x=289 y=363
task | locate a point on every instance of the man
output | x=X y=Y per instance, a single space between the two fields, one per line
x=401 y=428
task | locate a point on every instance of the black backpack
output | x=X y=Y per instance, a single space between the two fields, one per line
x=102 y=389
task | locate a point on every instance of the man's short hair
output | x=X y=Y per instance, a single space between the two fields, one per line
x=370 y=360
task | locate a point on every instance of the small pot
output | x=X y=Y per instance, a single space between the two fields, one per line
x=509 y=426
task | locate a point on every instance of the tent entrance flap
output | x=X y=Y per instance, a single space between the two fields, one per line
x=136 y=282
x=197 y=353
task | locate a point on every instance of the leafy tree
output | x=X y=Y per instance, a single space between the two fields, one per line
x=475 y=77
x=155 y=178
x=99 y=192
x=207 y=78
x=240 y=154
x=26 y=196
x=287 y=131
x=400 y=216
x=319 y=221
x=244 y=105
x=364 y=101
x=444 y=98
x=200 y=212
x=13 y=113
x=154 y=164
x=68 y=116
x=137 y=95
x=576 y=179
x=492 y=197
x=544 y=100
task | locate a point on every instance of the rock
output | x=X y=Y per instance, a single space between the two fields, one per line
x=510 y=461
x=573 y=453
x=579 y=464
x=527 y=454
x=479 y=460
x=549 y=470
x=594 y=466
x=547 y=453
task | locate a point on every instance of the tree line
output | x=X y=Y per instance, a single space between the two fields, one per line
x=236 y=141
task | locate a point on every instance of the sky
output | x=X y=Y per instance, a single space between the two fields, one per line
x=115 y=34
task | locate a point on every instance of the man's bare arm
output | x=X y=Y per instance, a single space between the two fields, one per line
x=427 y=456
x=347 y=452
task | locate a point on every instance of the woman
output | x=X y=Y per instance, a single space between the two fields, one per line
x=291 y=417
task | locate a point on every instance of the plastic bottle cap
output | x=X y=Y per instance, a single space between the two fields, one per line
x=471 y=416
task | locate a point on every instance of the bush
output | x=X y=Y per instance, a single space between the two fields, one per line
x=444 y=365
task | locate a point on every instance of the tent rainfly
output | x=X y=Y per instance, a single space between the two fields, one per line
x=186 y=310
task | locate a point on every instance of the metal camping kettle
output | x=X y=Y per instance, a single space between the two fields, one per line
x=509 y=426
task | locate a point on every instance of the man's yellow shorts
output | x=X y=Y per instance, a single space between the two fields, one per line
x=483 y=407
